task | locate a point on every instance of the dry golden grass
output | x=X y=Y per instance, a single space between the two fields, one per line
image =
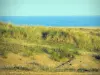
x=47 y=73
x=14 y=59
x=44 y=59
x=83 y=61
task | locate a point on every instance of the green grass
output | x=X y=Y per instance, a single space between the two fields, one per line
x=60 y=44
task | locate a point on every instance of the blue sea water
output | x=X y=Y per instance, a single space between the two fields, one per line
x=53 y=20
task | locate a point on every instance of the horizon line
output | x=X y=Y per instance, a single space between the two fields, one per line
x=46 y=15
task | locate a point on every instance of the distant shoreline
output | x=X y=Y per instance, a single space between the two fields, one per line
x=88 y=27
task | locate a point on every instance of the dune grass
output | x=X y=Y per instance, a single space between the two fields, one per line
x=50 y=46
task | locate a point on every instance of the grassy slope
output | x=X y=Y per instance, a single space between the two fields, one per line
x=49 y=46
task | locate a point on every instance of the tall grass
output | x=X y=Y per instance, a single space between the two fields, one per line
x=62 y=42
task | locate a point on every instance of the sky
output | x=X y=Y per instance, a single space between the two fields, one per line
x=49 y=7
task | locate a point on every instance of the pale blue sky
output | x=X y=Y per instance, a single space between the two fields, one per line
x=49 y=7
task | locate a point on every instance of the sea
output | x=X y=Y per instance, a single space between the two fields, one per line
x=62 y=21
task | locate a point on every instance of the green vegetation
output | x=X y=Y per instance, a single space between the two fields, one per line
x=60 y=44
